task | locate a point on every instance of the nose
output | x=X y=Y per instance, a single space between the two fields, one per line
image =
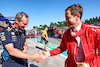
x=67 y=19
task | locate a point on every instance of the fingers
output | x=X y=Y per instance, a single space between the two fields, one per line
x=43 y=52
x=37 y=62
x=43 y=56
x=80 y=64
x=38 y=51
x=41 y=60
x=25 y=43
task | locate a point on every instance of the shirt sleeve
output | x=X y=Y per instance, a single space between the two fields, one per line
x=6 y=37
x=60 y=49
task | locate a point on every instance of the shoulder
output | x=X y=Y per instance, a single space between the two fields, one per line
x=44 y=31
x=67 y=32
x=67 y=29
x=8 y=28
x=5 y=31
x=92 y=27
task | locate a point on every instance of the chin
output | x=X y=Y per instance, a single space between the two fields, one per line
x=71 y=26
x=22 y=29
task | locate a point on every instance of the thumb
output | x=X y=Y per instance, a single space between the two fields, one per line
x=38 y=51
x=43 y=52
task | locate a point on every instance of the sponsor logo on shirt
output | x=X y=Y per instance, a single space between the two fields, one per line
x=12 y=33
x=2 y=37
x=14 y=38
x=8 y=29
x=1 y=34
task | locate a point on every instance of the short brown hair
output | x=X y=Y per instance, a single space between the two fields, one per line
x=20 y=15
x=75 y=9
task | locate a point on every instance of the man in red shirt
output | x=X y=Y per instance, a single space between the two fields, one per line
x=80 y=40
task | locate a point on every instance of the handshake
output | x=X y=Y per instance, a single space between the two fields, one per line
x=39 y=58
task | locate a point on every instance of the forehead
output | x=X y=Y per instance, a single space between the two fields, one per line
x=68 y=13
x=25 y=19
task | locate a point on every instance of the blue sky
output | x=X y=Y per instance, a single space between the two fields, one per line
x=42 y=12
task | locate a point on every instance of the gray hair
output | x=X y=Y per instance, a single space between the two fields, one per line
x=20 y=15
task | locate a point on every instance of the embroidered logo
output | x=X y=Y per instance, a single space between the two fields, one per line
x=12 y=33
x=8 y=29
x=3 y=38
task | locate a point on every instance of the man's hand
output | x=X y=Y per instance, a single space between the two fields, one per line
x=38 y=58
x=46 y=39
x=25 y=47
x=80 y=64
x=44 y=55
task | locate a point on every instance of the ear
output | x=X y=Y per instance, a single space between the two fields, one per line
x=16 y=21
x=78 y=16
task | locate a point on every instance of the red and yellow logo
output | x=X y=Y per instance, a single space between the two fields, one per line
x=8 y=29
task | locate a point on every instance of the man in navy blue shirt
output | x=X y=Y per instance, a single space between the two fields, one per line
x=15 y=45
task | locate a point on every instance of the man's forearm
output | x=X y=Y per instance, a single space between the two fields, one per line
x=17 y=53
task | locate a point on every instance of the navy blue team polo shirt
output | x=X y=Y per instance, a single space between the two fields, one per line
x=9 y=35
